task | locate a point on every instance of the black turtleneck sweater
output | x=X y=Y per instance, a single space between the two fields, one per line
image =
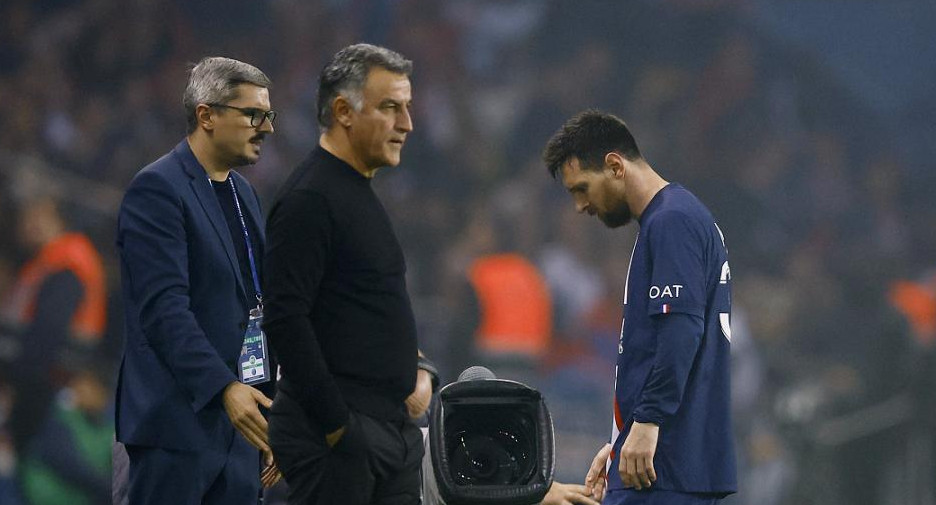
x=337 y=313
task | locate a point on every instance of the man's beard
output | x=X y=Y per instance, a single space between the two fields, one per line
x=617 y=217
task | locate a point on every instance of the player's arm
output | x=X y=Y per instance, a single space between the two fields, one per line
x=596 y=478
x=678 y=337
x=677 y=303
x=678 y=340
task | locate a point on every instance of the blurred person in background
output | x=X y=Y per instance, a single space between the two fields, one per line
x=9 y=486
x=513 y=308
x=339 y=314
x=190 y=239
x=56 y=307
x=69 y=460
x=672 y=439
x=916 y=301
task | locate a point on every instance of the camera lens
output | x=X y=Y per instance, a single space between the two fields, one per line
x=491 y=446
x=479 y=459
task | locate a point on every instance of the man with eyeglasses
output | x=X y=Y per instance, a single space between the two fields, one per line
x=257 y=116
x=190 y=239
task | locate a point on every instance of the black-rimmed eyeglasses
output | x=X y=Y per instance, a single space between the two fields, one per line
x=256 y=116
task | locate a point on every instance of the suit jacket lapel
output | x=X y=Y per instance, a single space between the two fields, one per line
x=205 y=195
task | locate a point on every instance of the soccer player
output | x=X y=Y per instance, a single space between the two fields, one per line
x=671 y=440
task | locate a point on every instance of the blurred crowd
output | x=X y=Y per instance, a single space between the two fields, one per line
x=827 y=215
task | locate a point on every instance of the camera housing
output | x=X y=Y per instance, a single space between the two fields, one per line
x=491 y=443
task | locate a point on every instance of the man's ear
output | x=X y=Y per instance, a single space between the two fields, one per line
x=616 y=164
x=342 y=110
x=204 y=117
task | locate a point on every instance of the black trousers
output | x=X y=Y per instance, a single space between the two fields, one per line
x=376 y=462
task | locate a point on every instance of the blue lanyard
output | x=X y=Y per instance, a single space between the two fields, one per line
x=250 y=254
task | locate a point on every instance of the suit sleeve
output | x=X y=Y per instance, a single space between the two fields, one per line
x=299 y=246
x=152 y=243
x=676 y=308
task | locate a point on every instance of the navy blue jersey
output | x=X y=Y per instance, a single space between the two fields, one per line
x=679 y=380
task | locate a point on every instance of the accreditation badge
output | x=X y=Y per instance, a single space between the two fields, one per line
x=253 y=366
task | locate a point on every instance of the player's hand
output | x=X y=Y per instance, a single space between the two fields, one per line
x=271 y=473
x=636 y=465
x=567 y=494
x=240 y=403
x=595 y=479
x=332 y=438
x=418 y=401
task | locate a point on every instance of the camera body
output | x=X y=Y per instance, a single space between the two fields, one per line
x=492 y=443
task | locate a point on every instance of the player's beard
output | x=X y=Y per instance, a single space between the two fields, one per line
x=617 y=217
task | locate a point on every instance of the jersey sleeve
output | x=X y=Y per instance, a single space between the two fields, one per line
x=678 y=337
x=677 y=276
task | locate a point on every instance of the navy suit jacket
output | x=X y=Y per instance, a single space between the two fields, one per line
x=186 y=307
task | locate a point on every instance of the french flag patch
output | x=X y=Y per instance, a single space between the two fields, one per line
x=666 y=308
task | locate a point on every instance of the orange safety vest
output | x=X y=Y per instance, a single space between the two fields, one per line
x=917 y=302
x=516 y=308
x=74 y=252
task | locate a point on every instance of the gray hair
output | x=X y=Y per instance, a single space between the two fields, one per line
x=215 y=80
x=346 y=73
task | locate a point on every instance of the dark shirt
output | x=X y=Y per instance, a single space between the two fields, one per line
x=337 y=312
x=44 y=344
x=226 y=200
x=47 y=335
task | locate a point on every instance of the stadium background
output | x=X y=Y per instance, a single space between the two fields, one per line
x=807 y=126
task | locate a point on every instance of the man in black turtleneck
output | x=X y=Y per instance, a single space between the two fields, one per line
x=337 y=312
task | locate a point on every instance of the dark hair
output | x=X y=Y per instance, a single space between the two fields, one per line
x=347 y=72
x=215 y=80
x=589 y=136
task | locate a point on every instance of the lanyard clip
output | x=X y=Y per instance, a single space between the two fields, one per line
x=258 y=310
